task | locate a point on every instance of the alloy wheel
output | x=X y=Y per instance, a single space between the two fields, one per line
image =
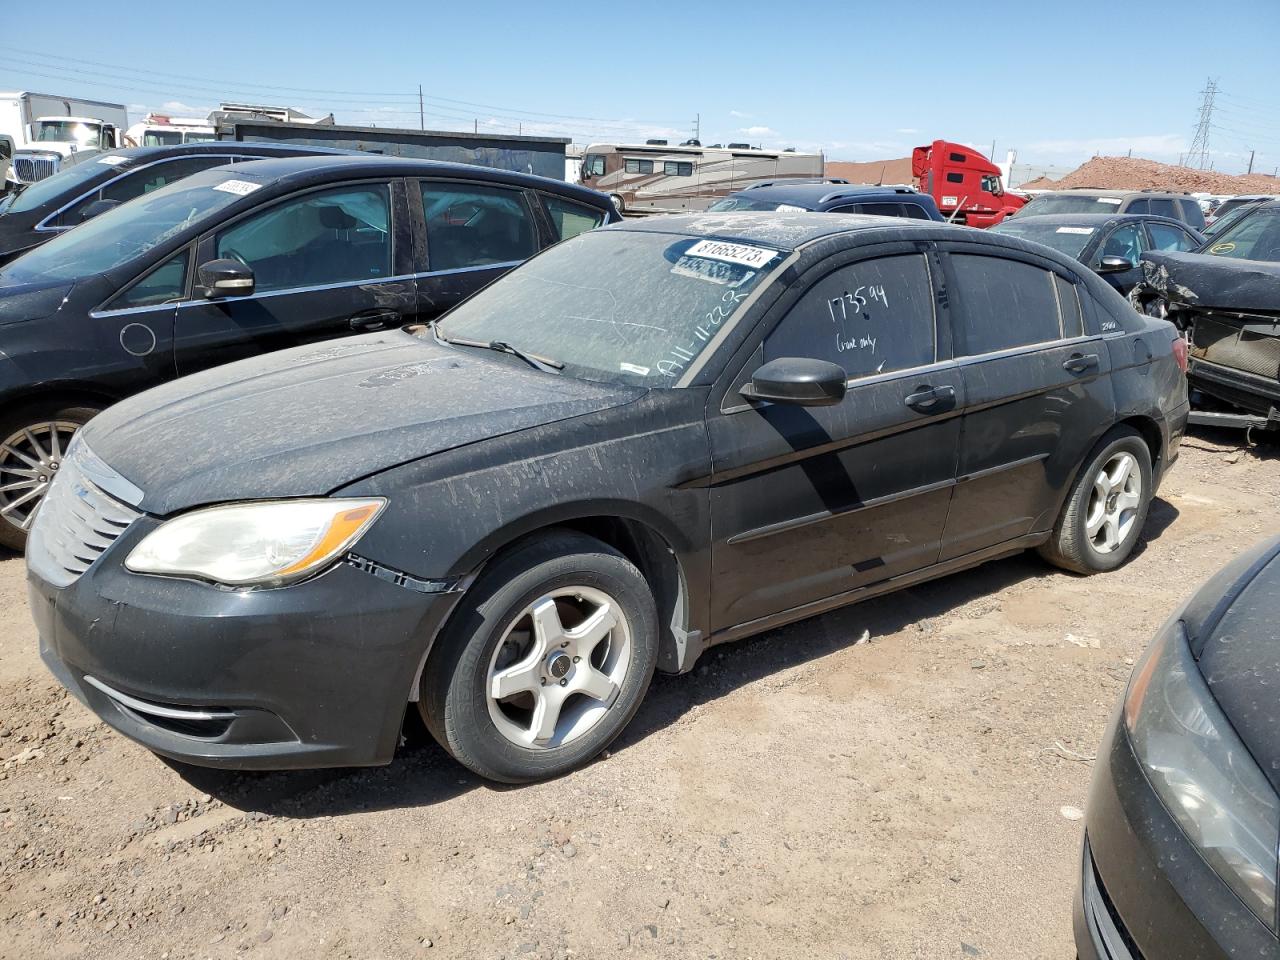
x=29 y=460
x=1114 y=502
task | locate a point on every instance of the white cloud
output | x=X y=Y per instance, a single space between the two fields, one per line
x=758 y=131
x=1152 y=146
x=741 y=115
x=178 y=108
x=906 y=130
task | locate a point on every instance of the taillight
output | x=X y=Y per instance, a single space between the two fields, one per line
x=1180 y=352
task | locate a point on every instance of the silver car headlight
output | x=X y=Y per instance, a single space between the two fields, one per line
x=1202 y=772
x=262 y=544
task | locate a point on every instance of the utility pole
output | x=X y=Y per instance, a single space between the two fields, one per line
x=697 y=127
x=992 y=155
x=422 y=121
x=1251 y=153
x=1200 y=142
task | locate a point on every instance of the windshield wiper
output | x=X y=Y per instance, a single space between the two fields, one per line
x=545 y=364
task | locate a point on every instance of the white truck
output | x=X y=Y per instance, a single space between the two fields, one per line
x=51 y=132
x=161 y=130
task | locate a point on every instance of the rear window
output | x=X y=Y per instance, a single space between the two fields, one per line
x=1067 y=238
x=1006 y=304
x=1070 y=203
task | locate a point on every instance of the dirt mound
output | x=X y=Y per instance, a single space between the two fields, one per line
x=1133 y=173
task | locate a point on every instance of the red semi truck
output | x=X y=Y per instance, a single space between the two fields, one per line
x=964 y=183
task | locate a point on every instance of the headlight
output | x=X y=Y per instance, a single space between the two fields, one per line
x=1203 y=773
x=265 y=544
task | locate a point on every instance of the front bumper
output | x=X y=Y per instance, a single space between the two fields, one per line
x=313 y=675
x=1145 y=893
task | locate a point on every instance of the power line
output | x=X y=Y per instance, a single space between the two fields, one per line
x=1200 y=142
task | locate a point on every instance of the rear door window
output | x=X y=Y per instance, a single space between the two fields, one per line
x=1140 y=205
x=1166 y=236
x=569 y=218
x=874 y=316
x=882 y=209
x=1005 y=304
x=476 y=225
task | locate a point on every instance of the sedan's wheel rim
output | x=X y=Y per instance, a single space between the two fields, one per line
x=1114 y=503
x=559 y=667
x=29 y=460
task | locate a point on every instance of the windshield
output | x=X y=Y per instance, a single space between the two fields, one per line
x=119 y=235
x=1068 y=203
x=741 y=203
x=67 y=181
x=198 y=137
x=161 y=138
x=1253 y=237
x=1227 y=214
x=1064 y=238
x=68 y=131
x=618 y=306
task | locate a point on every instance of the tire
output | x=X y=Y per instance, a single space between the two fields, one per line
x=563 y=579
x=16 y=453
x=1072 y=545
x=617 y=202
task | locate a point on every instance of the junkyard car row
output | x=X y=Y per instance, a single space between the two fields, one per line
x=505 y=493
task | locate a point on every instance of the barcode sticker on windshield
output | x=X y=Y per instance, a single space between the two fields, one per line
x=112 y=161
x=1114 y=201
x=738 y=253
x=1083 y=231
x=239 y=187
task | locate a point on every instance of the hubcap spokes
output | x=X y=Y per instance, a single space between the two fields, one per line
x=29 y=460
x=1114 y=502
x=559 y=667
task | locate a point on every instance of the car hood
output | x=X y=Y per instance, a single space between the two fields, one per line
x=1201 y=280
x=17 y=231
x=306 y=421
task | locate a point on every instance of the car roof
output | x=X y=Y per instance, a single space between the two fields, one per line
x=195 y=148
x=1089 y=219
x=302 y=170
x=783 y=231
x=816 y=193
x=1104 y=192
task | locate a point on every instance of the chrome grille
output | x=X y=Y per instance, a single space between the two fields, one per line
x=31 y=169
x=74 y=524
x=1228 y=345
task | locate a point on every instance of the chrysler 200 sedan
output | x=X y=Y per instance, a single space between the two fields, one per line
x=1183 y=827
x=655 y=437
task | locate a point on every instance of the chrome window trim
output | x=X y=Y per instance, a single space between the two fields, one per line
x=483 y=266
x=42 y=227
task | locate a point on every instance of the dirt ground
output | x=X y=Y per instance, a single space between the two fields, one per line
x=802 y=794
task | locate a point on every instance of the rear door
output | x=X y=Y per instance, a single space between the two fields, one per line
x=327 y=262
x=1036 y=385
x=469 y=234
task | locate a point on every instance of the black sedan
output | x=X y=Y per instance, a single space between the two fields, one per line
x=80 y=192
x=1110 y=244
x=243 y=259
x=1183 y=820
x=656 y=437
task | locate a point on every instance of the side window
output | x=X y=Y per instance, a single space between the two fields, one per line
x=569 y=218
x=1141 y=205
x=916 y=212
x=167 y=282
x=331 y=236
x=1125 y=241
x=638 y=166
x=673 y=168
x=473 y=225
x=875 y=316
x=1069 y=306
x=141 y=181
x=1192 y=213
x=1007 y=303
x=955 y=178
x=882 y=209
x=593 y=165
x=1165 y=208
x=1165 y=236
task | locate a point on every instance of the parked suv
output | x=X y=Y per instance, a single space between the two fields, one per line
x=1175 y=206
x=827 y=197
x=239 y=260
x=77 y=193
x=656 y=437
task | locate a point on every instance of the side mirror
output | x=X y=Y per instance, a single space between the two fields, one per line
x=225 y=278
x=798 y=380
x=97 y=208
x=1115 y=265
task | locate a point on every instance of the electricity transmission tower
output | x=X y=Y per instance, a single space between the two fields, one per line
x=1200 y=142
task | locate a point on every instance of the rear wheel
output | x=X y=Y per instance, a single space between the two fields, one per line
x=617 y=202
x=1107 y=507
x=33 y=443
x=547 y=661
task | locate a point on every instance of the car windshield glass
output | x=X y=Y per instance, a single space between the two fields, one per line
x=618 y=306
x=1226 y=220
x=68 y=131
x=1065 y=238
x=1067 y=203
x=119 y=235
x=161 y=138
x=66 y=182
x=1255 y=237
x=743 y=203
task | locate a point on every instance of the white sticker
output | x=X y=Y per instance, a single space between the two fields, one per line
x=790 y=208
x=633 y=368
x=1083 y=231
x=949 y=201
x=1114 y=201
x=739 y=253
x=239 y=187
x=113 y=161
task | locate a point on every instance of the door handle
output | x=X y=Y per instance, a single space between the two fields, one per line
x=1080 y=362
x=929 y=399
x=374 y=320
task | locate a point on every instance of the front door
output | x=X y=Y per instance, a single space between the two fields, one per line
x=327 y=263
x=811 y=502
x=1127 y=241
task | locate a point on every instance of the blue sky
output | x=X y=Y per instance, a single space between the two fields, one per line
x=1056 y=81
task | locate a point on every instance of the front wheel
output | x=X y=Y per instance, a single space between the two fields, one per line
x=33 y=443
x=547 y=661
x=1107 y=507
